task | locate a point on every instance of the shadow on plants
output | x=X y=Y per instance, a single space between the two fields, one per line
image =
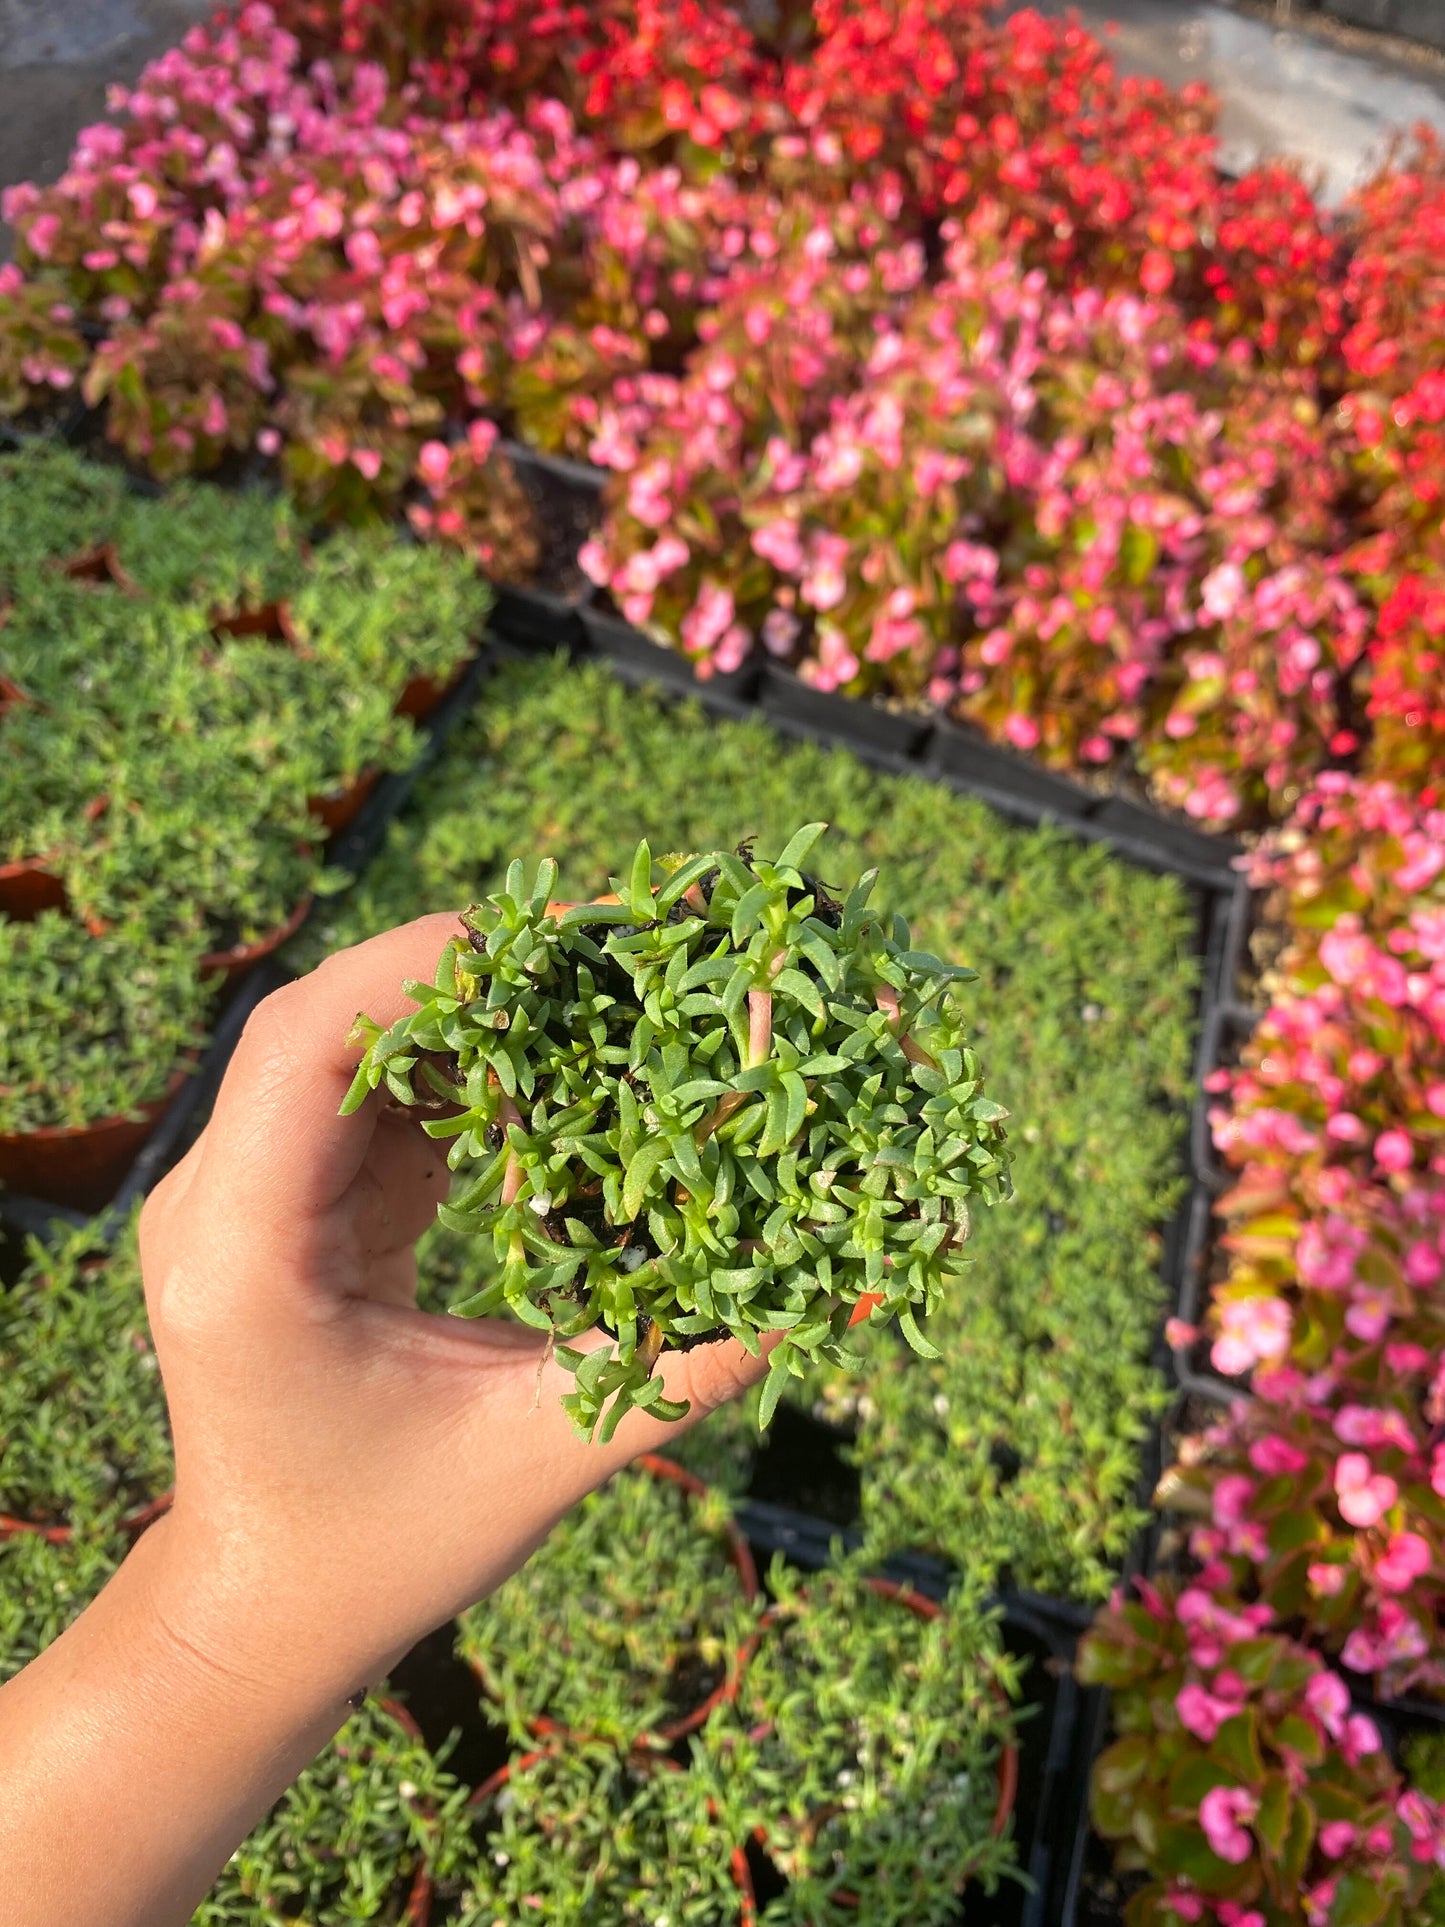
x=440 y=1692
x=800 y=1462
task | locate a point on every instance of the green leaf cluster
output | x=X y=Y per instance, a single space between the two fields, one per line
x=162 y=768
x=724 y=1103
x=587 y=1835
x=623 y=1623
x=83 y=1429
x=869 y=1751
x=347 y=1840
x=1017 y=1453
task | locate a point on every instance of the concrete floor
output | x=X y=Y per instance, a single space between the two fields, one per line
x=57 y=57
x=1285 y=91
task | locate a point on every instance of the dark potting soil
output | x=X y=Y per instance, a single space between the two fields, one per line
x=690 y=1682
x=442 y=1695
x=1104 y=1894
x=800 y=1463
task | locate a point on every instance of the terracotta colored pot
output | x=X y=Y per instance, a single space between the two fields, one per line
x=100 y=565
x=241 y=956
x=28 y=887
x=80 y=1165
x=418 y=1905
x=60 y=1535
x=271 y=622
x=921 y=1607
x=336 y=810
x=726 y=1690
x=423 y=694
x=738 y=1866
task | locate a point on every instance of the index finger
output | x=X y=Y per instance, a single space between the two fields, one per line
x=276 y=1135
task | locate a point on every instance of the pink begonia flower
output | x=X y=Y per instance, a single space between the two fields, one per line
x=593 y=562
x=824 y=584
x=143 y=199
x=1233 y=1913
x=1273 y=1456
x=1423 y=1819
x=1231 y=1499
x=1423 y=1263
x=1179 y=1333
x=1435 y=1098
x=269 y=441
x=1328 y=1698
x=780 y=631
x=1251 y=1329
x=1318 y=1901
x=1369 y=1314
x=1437 y=1470
x=367 y=461
x=1363 y=1496
x=1022 y=731
x=433 y=464
x=1405 y=1359
x=777 y=542
x=482 y=437
x=1394 y=1638
x=1372 y=1426
x=708 y=619
x=1224 y=1813
x=1222 y=591
x=1362 y=1738
x=1394 y=1151
x=1326 y=1581
x=1188 y=1906
x=1405 y=1559
x=1202 y=1713
x=1336 y=1838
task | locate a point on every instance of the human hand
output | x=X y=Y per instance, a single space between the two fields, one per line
x=363 y=1468
x=350 y=1472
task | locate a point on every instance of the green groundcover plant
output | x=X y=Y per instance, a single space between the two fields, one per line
x=872 y=1755
x=629 y=1618
x=743 y=1106
x=588 y=1835
x=188 y=682
x=92 y=1027
x=1086 y=979
x=347 y=1841
x=82 y=1415
x=43 y=1586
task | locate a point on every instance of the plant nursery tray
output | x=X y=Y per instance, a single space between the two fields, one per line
x=180 y=1123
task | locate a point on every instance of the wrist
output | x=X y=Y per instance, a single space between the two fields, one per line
x=243 y=1627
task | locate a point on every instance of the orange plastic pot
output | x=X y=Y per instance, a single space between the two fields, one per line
x=423 y=694
x=335 y=810
x=11 y=694
x=921 y=1607
x=241 y=956
x=27 y=888
x=726 y=1690
x=80 y=1165
x=738 y=1867
x=61 y=1534
x=271 y=623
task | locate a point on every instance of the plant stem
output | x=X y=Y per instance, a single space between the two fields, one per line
x=760 y=1042
x=507 y=1116
x=887 y=999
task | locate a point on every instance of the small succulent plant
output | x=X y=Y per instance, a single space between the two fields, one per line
x=726 y=1101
